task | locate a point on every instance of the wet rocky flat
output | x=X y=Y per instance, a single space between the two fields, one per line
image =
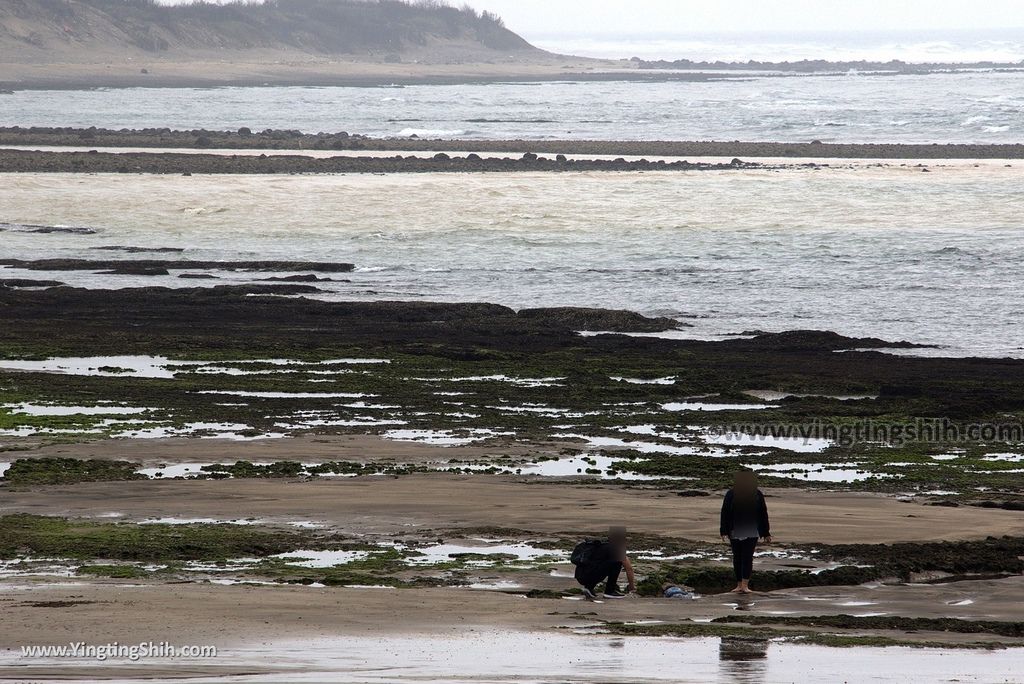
x=295 y=140
x=174 y=451
x=94 y=161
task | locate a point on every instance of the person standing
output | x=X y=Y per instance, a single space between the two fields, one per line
x=744 y=521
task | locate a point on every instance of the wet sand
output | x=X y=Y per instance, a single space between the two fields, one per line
x=387 y=505
x=369 y=634
x=310 y=633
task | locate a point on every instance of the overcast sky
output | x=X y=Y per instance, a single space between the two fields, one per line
x=541 y=17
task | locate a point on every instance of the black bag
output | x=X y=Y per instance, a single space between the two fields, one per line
x=584 y=550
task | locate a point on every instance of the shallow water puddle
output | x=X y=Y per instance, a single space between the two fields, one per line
x=706 y=406
x=322 y=559
x=173 y=470
x=817 y=472
x=593 y=465
x=289 y=395
x=642 y=447
x=64 y=410
x=834 y=566
x=545 y=411
x=445 y=553
x=444 y=438
x=230 y=565
x=808 y=445
x=659 y=556
x=358 y=421
x=285 y=366
x=495 y=586
x=493 y=655
x=140 y=366
x=202 y=430
x=173 y=520
x=544 y=656
x=1011 y=458
x=770 y=395
x=671 y=380
x=103 y=366
x=700 y=435
x=521 y=382
x=30 y=566
x=191 y=469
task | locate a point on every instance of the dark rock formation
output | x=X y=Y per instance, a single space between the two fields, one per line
x=608 y=320
x=145 y=265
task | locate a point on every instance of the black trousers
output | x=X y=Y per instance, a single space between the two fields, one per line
x=591 y=575
x=743 y=557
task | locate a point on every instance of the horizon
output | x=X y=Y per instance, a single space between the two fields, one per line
x=776 y=30
x=651 y=16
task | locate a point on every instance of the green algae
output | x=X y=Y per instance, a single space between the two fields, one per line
x=51 y=537
x=52 y=471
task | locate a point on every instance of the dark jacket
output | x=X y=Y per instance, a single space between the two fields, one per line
x=759 y=512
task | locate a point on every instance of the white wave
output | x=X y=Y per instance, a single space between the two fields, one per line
x=430 y=132
x=971 y=120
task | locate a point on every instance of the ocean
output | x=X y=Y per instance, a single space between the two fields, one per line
x=863 y=250
x=890 y=252
x=975 y=107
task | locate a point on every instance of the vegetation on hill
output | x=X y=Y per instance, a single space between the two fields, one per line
x=313 y=26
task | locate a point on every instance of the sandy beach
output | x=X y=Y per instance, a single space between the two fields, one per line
x=260 y=69
x=244 y=621
x=385 y=505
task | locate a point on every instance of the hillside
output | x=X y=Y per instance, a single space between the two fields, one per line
x=80 y=31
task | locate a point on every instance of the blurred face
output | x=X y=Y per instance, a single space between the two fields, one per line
x=745 y=481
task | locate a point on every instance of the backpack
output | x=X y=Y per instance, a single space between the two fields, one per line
x=583 y=551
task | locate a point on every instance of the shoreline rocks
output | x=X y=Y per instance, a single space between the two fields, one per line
x=295 y=140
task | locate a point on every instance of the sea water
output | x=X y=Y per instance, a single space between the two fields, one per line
x=890 y=252
x=973 y=107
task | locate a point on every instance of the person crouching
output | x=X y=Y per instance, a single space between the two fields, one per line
x=602 y=561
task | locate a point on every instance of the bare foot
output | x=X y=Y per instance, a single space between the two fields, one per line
x=737 y=590
x=744 y=590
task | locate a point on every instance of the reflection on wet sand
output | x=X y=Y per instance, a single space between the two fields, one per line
x=742 y=659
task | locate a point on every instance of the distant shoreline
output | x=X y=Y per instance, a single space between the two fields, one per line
x=344 y=141
x=300 y=71
x=297 y=70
